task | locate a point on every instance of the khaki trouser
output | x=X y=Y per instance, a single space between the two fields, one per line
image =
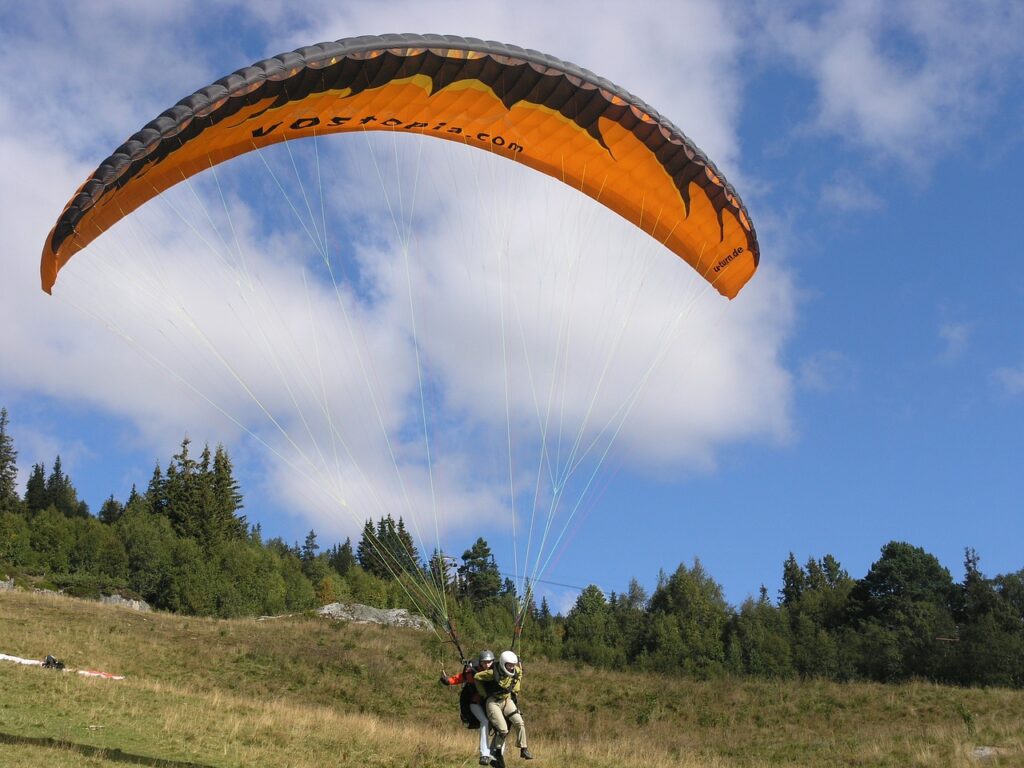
x=503 y=712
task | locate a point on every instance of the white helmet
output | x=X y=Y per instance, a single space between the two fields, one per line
x=507 y=663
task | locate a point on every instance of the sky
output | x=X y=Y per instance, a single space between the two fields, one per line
x=866 y=386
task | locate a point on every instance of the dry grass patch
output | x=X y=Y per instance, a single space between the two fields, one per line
x=305 y=692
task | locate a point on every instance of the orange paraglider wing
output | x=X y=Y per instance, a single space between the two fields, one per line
x=533 y=109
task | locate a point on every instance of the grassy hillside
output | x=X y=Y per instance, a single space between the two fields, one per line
x=305 y=692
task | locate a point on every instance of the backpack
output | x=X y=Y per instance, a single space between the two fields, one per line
x=466 y=698
x=465 y=713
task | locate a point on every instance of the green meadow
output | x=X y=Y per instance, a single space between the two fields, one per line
x=306 y=692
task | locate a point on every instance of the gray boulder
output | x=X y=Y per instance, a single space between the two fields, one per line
x=364 y=614
x=135 y=605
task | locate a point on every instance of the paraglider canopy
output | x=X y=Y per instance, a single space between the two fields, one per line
x=561 y=310
x=531 y=108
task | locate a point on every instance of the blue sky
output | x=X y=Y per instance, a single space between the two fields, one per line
x=875 y=362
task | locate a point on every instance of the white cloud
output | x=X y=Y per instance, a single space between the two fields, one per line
x=267 y=357
x=955 y=338
x=827 y=371
x=903 y=79
x=94 y=75
x=38 y=447
x=847 y=193
x=1011 y=380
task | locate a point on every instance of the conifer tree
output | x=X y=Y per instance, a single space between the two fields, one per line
x=156 y=492
x=387 y=550
x=437 y=570
x=508 y=588
x=111 y=511
x=407 y=554
x=835 y=575
x=480 y=580
x=544 y=618
x=60 y=493
x=368 y=551
x=391 y=554
x=387 y=539
x=591 y=633
x=309 y=547
x=56 y=487
x=137 y=502
x=35 y=490
x=227 y=497
x=793 y=581
x=182 y=491
x=816 y=579
x=341 y=557
x=9 y=501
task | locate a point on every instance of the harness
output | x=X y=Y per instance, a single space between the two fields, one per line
x=495 y=690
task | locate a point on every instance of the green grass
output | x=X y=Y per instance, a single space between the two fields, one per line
x=306 y=692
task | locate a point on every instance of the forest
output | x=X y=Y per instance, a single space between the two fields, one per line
x=183 y=545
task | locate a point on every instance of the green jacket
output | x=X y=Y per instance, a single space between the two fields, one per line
x=491 y=685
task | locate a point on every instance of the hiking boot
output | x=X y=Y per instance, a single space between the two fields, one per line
x=525 y=754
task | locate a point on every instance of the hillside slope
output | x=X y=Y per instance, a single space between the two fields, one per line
x=307 y=692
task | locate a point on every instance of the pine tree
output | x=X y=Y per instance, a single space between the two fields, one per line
x=228 y=497
x=389 y=546
x=341 y=558
x=61 y=493
x=437 y=570
x=688 y=616
x=794 y=581
x=182 y=489
x=56 y=487
x=392 y=551
x=156 y=492
x=111 y=511
x=36 y=499
x=309 y=547
x=368 y=551
x=209 y=519
x=9 y=501
x=508 y=588
x=205 y=460
x=133 y=497
x=591 y=634
x=387 y=550
x=544 y=618
x=408 y=555
x=480 y=580
x=835 y=576
x=817 y=581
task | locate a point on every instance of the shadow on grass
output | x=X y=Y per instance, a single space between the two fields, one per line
x=113 y=755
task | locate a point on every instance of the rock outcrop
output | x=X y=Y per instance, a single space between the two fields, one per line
x=364 y=614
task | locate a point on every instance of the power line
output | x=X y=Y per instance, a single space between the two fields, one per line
x=552 y=583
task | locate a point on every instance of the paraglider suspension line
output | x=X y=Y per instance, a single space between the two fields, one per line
x=454 y=635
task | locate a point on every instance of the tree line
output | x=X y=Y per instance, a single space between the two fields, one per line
x=905 y=619
x=183 y=545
